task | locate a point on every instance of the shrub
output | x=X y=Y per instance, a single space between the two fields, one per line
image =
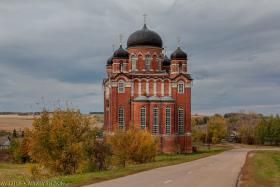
x=97 y=151
x=133 y=145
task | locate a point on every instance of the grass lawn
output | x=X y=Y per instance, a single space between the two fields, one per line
x=262 y=168
x=19 y=172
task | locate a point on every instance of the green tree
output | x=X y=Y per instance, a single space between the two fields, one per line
x=275 y=130
x=261 y=131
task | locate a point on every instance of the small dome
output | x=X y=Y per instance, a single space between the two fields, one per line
x=166 y=61
x=144 y=37
x=121 y=53
x=179 y=54
x=110 y=61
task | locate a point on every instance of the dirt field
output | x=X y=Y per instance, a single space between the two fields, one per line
x=10 y=122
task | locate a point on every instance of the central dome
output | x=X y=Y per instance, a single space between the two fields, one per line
x=144 y=37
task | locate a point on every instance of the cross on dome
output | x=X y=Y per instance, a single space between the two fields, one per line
x=145 y=18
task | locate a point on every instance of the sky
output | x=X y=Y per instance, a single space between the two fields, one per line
x=54 y=52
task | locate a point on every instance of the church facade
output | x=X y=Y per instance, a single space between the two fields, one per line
x=146 y=89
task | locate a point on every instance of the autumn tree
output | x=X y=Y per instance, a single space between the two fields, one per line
x=246 y=128
x=133 y=145
x=198 y=132
x=217 y=128
x=58 y=138
x=20 y=147
x=97 y=150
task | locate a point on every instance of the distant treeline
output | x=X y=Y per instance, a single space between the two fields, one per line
x=36 y=113
x=248 y=128
x=20 y=113
x=96 y=112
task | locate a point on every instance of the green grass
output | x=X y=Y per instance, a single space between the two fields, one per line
x=262 y=168
x=19 y=172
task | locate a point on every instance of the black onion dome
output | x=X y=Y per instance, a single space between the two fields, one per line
x=179 y=54
x=166 y=61
x=110 y=61
x=144 y=37
x=121 y=53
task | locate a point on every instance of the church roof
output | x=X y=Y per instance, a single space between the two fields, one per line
x=144 y=37
x=166 y=61
x=110 y=61
x=121 y=53
x=179 y=54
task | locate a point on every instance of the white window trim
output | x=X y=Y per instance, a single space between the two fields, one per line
x=122 y=67
x=148 y=60
x=155 y=129
x=168 y=120
x=181 y=121
x=133 y=63
x=158 y=64
x=121 y=89
x=121 y=120
x=143 y=118
x=183 y=87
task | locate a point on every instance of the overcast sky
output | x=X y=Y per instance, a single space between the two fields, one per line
x=55 y=51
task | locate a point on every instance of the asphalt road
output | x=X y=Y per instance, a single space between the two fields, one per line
x=220 y=170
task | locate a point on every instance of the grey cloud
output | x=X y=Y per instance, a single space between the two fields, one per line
x=233 y=50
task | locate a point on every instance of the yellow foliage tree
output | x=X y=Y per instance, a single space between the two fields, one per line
x=217 y=128
x=134 y=145
x=57 y=140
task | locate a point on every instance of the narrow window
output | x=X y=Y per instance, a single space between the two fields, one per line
x=121 y=117
x=121 y=67
x=133 y=62
x=158 y=64
x=155 y=121
x=121 y=87
x=180 y=67
x=181 y=87
x=181 y=121
x=168 y=120
x=148 y=60
x=143 y=117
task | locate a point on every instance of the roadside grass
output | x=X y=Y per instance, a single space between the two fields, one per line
x=262 y=168
x=19 y=174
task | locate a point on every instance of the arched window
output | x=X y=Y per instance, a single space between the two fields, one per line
x=181 y=87
x=181 y=122
x=143 y=117
x=155 y=129
x=148 y=60
x=121 y=117
x=168 y=120
x=133 y=62
x=121 y=88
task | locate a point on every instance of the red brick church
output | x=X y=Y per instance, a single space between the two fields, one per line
x=146 y=89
